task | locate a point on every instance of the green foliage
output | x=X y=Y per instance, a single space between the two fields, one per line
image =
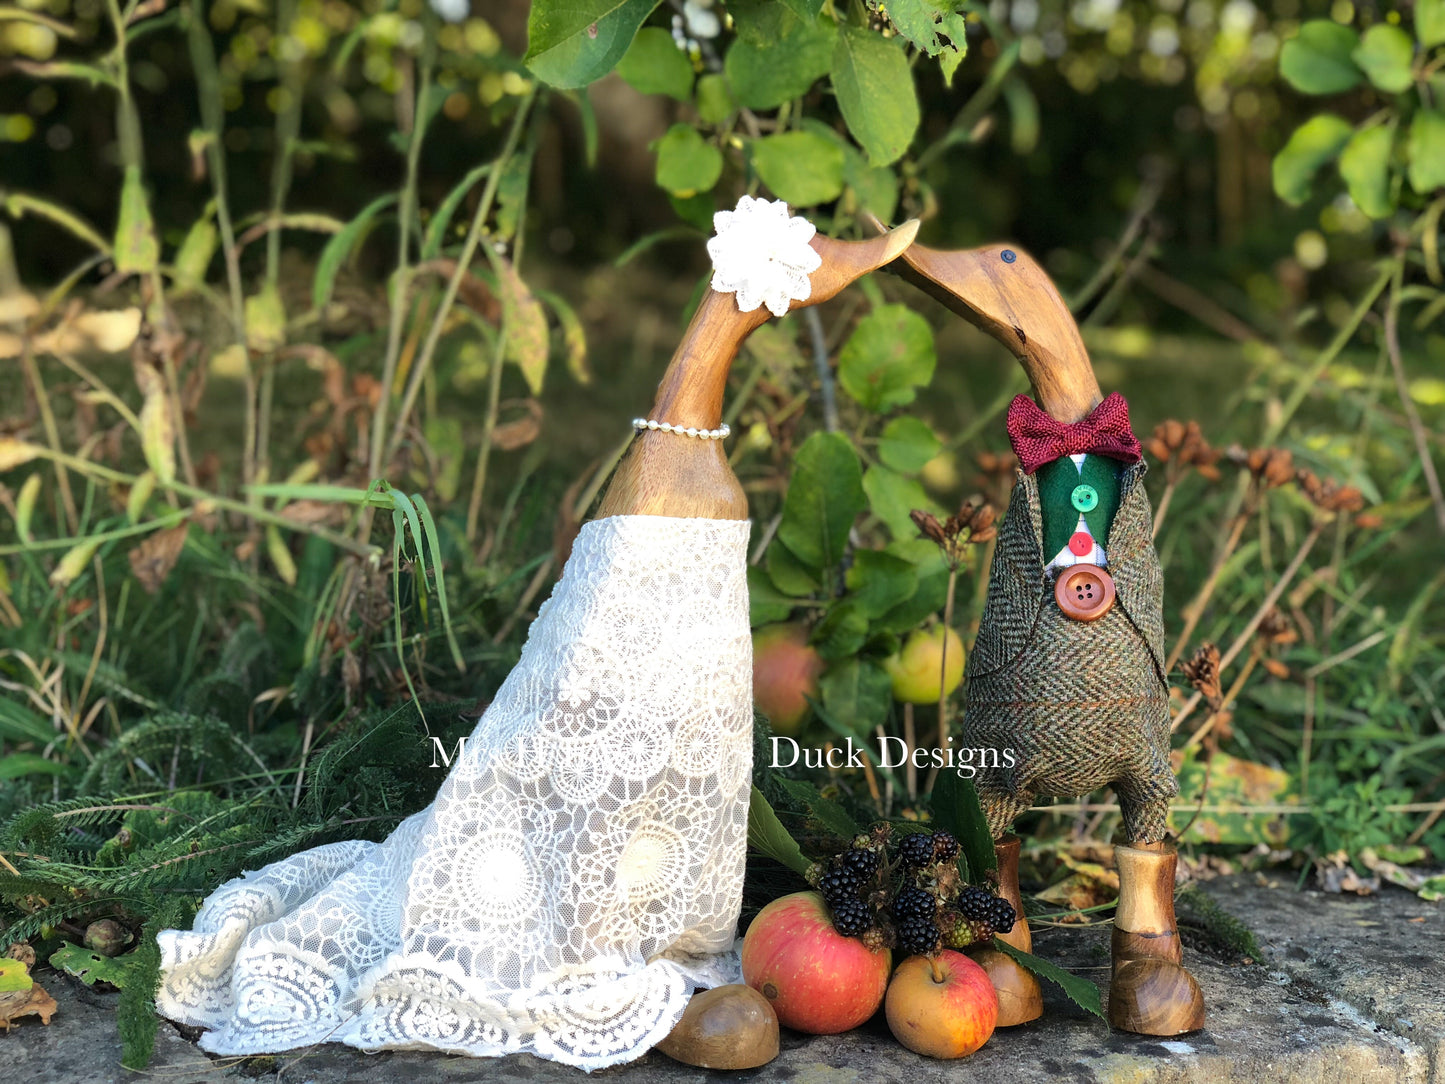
x=1312 y=144
x=653 y=65
x=803 y=168
x=875 y=93
x=889 y=356
x=1318 y=60
x=571 y=43
x=685 y=164
x=824 y=498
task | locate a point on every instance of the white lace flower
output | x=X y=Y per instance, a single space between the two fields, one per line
x=762 y=255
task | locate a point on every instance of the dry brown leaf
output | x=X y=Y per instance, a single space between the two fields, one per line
x=312 y=512
x=153 y=559
x=32 y=1002
x=521 y=432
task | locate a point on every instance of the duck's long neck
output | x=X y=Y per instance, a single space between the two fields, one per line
x=667 y=474
x=691 y=390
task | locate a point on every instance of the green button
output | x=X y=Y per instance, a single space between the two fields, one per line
x=1084 y=498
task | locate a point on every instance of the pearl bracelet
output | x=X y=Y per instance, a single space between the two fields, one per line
x=663 y=427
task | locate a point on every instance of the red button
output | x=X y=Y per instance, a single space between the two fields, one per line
x=1081 y=544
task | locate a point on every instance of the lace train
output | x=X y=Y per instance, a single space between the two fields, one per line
x=580 y=870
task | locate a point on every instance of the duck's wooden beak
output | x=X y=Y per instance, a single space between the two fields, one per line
x=847 y=261
x=1002 y=290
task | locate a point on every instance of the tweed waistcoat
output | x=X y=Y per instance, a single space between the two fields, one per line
x=1081 y=705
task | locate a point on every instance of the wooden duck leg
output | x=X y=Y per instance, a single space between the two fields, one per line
x=1019 y=997
x=1003 y=291
x=1150 y=992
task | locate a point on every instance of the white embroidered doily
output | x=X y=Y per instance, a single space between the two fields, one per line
x=580 y=870
x=762 y=256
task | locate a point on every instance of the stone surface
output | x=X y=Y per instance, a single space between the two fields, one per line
x=1352 y=992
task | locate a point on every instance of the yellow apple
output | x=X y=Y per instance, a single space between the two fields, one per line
x=916 y=669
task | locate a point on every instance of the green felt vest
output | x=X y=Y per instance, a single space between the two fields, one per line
x=1057 y=481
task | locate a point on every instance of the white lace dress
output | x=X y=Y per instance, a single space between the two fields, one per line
x=580 y=870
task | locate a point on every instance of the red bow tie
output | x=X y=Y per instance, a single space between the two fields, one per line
x=1038 y=438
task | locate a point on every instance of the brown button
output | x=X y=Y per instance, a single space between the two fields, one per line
x=1084 y=592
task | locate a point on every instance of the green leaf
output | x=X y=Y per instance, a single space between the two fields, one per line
x=18 y=765
x=1425 y=148
x=1385 y=54
x=14 y=976
x=527 y=343
x=789 y=574
x=766 y=603
x=1317 y=60
x=194 y=256
x=436 y=229
x=879 y=581
x=804 y=9
x=889 y=355
x=802 y=169
x=1312 y=144
x=339 y=248
x=928 y=598
x=136 y=250
x=856 y=696
x=18 y=723
x=842 y=631
x=655 y=65
x=781 y=64
x=921 y=21
x=685 y=163
x=767 y=836
x=91 y=967
x=715 y=102
x=1365 y=166
x=574 y=336
x=1081 y=992
x=955 y=807
x=1430 y=22
x=949 y=59
x=907 y=443
x=571 y=43
x=874 y=85
x=825 y=811
x=265 y=321
x=824 y=497
x=891 y=497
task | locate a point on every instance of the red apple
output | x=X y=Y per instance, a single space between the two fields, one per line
x=785 y=672
x=942 y=1008
x=816 y=979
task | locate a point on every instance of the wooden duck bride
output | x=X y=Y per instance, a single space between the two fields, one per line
x=581 y=868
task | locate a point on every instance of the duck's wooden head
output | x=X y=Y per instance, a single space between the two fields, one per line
x=1002 y=290
x=664 y=474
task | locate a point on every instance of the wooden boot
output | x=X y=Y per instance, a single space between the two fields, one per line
x=1150 y=993
x=1019 y=997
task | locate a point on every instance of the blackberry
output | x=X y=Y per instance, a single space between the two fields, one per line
x=839 y=884
x=851 y=917
x=980 y=905
x=861 y=861
x=914 y=903
x=918 y=936
x=945 y=847
x=916 y=849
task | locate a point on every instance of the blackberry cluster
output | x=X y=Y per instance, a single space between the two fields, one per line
x=851 y=917
x=916 y=849
x=925 y=848
x=914 y=912
x=980 y=905
x=842 y=888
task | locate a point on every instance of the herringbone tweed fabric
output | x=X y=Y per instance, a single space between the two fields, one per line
x=1082 y=705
